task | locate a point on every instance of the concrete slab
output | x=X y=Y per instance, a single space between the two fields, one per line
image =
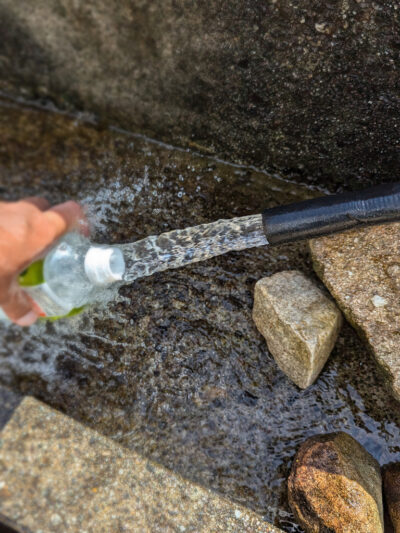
x=56 y=475
x=306 y=87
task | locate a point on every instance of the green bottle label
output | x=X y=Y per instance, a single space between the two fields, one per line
x=33 y=275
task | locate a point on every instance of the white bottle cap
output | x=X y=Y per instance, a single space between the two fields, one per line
x=103 y=266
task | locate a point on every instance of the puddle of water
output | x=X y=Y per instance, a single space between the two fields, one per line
x=175 y=367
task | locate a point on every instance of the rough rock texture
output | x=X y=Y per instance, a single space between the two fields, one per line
x=361 y=268
x=56 y=475
x=308 y=87
x=299 y=322
x=391 y=493
x=335 y=485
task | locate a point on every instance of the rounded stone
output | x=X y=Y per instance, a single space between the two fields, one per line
x=335 y=485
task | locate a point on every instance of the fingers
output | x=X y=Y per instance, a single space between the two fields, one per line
x=40 y=203
x=18 y=306
x=66 y=217
x=27 y=229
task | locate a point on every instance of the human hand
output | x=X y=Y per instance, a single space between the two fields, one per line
x=28 y=228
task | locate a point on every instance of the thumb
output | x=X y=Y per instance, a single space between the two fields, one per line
x=18 y=306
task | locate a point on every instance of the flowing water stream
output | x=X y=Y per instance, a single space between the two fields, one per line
x=179 y=248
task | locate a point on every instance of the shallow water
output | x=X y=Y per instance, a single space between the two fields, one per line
x=175 y=367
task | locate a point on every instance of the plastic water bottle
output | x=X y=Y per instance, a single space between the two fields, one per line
x=72 y=275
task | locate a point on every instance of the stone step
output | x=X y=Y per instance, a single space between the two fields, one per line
x=56 y=475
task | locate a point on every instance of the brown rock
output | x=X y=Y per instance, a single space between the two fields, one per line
x=299 y=323
x=391 y=491
x=335 y=486
x=361 y=268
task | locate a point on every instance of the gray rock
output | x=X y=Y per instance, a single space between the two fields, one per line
x=299 y=322
x=361 y=269
x=335 y=485
x=308 y=87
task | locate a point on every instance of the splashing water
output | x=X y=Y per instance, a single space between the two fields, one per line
x=181 y=247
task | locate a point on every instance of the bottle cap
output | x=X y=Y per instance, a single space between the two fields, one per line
x=104 y=266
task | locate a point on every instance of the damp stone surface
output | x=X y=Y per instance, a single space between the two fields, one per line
x=306 y=87
x=175 y=368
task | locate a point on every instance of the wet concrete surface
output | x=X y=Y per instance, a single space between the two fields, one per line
x=175 y=367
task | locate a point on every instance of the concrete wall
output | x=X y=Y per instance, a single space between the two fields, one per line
x=308 y=88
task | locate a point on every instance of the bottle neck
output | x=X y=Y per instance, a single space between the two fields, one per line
x=104 y=265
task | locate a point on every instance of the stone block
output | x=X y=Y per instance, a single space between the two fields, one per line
x=56 y=475
x=299 y=322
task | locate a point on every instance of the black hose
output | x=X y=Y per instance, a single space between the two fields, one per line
x=331 y=214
